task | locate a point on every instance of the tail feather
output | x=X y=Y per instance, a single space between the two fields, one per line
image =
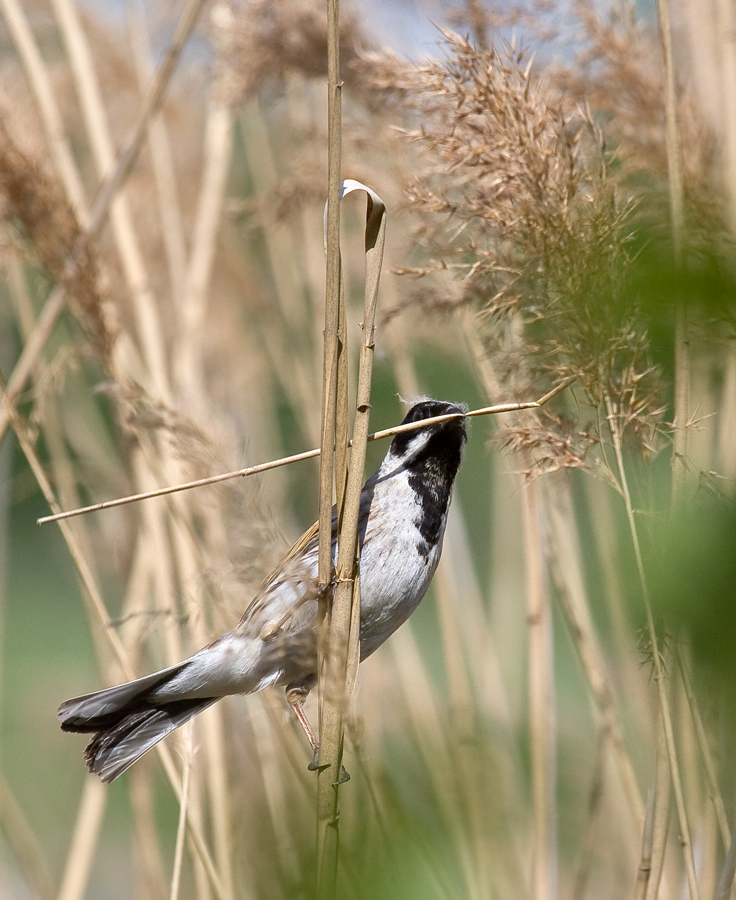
x=112 y=751
x=93 y=712
x=127 y=721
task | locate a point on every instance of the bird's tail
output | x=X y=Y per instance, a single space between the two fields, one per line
x=127 y=720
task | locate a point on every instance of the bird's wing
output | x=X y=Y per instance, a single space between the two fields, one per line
x=300 y=548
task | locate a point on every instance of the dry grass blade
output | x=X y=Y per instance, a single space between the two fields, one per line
x=728 y=872
x=24 y=843
x=183 y=804
x=54 y=306
x=656 y=842
x=645 y=866
x=99 y=613
x=542 y=718
x=687 y=847
x=677 y=212
x=84 y=841
x=710 y=769
x=50 y=115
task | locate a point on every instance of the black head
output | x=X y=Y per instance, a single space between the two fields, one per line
x=431 y=458
x=444 y=437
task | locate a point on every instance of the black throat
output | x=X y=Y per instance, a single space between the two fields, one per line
x=431 y=476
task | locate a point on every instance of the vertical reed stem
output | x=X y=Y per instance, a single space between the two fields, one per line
x=677 y=213
x=541 y=703
x=329 y=724
x=659 y=674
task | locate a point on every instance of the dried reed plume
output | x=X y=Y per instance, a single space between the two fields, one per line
x=35 y=207
x=520 y=203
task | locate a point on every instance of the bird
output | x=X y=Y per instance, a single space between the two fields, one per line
x=403 y=514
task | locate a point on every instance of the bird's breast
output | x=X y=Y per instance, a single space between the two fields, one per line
x=395 y=565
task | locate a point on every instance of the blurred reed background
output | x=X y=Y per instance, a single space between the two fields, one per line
x=557 y=720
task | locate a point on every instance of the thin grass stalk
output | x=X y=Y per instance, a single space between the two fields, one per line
x=153 y=525
x=188 y=566
x=711 y=864
x=567 y=566
x=189 y=378
x=192 y=307
x=84 y=841
x=601 y=500
x=677 y=213
x=95 y=605
x=89 y=819
x=172 y=227
x=151 y=872
x=710 y=770
x=593 y=820
x=23 y=844
x=98 y=214
x=329 y=726
x=49 y=422
x=276 y=789
x=473 y=847
x=660 y=815
x=181 y=830
x=296 y=323
x=725 y=884
x=219 y=793
x=699 y=806
x=99 y=612
x=541 y=701
x=644 y=871
x=296 y=376
x=48 y=109
x=726 y=18
x=659 y=675
x=128 y=247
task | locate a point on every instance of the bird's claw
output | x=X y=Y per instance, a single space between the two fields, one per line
x=314 y=766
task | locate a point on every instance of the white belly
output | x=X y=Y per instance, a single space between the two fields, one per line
x=394 y=576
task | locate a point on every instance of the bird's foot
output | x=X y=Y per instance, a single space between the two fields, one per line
x=314 y=766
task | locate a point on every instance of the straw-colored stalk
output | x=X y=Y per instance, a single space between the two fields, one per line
x=677 y=213
x=98 y=613
x=654 y=838
x=343 y=638
x=330 y=724
x=659 y=674
x=84 y=841
x=126 y=238
x=181 y=830
x=542 y=717
x=48 y=109
x=100 y=210
x=24 y=843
